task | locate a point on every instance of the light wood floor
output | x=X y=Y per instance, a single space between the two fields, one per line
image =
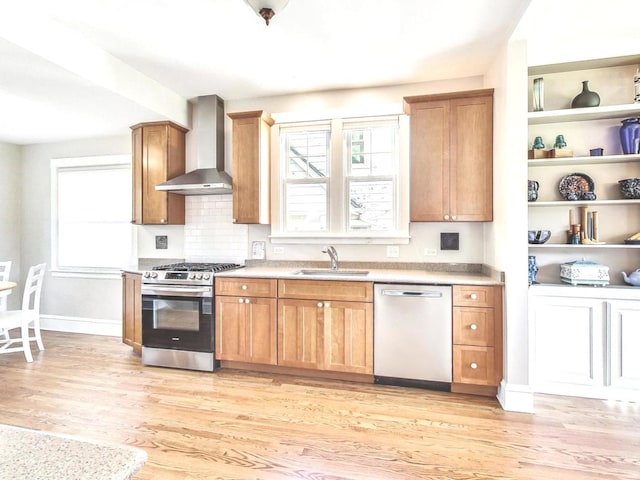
x=233 y=425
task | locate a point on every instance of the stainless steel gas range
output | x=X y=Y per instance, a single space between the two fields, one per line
x=178 y=315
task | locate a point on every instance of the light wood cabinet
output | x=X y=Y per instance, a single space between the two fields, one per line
x=451 y=156
x=326 y=325
x=158 y=155
x=477 y=337
x=132 y=310
x=251 y=169
x=245 y=320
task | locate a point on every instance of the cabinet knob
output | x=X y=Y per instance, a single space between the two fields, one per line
x=246 y=300
x=453 y=217
x=233 y=220
x=446 y=217
x=244 y=287
x=241 y=300
x=163 y=220
x=474 y=365
x=327 y=304
x=473 y=326
x=319 y=304
x=473 y=296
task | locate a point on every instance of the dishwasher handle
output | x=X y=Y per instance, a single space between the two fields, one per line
x=412 y=293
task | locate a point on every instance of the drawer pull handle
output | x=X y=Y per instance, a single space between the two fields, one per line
x=244 y=287
x=473 y=326
x=473 y=296
x=474 y=365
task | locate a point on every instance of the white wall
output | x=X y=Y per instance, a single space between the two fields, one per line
x=72 y=302
x=506 y=246
x=10 y=218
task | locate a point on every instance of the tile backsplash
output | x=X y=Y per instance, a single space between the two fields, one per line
x=209 y=233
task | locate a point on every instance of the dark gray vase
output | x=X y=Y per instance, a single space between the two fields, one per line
x=586 y=98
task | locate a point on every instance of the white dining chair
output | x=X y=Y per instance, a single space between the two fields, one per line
x=28 y=315
x=5 y=270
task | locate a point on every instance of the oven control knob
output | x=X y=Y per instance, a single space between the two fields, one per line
x=154 y=274
x=206 y=276
x=198 y=276
x=146 y=274
x=192 y=276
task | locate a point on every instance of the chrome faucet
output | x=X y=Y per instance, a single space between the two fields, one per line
x=333 y=255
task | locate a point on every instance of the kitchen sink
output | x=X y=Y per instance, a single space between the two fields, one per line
x=329 y=272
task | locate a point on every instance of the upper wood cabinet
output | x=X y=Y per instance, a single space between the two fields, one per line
x=158 y=155
x=451 y=172
x=251 y=177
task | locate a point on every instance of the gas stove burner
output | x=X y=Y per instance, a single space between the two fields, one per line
x=197 y=267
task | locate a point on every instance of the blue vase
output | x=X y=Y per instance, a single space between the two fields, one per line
x=630 y=135
x=533 y=269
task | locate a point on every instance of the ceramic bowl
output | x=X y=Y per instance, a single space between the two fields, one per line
x=539 y=236
x=630 y=187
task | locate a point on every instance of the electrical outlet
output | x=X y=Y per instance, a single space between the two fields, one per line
x=430 y=252
x=393 y=251
x=278 y=250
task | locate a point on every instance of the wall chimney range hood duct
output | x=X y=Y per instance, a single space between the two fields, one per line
x=209 y=178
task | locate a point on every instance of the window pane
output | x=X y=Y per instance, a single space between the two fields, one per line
x=307 y=153
x=370 y=150
x=93 y=216
x=371 y=205
x=306 y=207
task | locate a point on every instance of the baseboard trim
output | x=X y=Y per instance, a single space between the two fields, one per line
x=91 y=326
x=515 y=398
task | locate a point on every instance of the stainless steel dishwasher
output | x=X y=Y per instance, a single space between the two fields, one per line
x=412 y=337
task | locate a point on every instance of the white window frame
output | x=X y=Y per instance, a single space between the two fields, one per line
x=337 y=188
x=82 y=163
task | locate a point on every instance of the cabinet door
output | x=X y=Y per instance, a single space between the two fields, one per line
x=132 y=311
x=158 y=155
x=624 y=344
x=251 y=173
x=567 y=343
x=348 y=337
x=260 y=330
x=429 y=164
x=230 y=329
x=473 y=326
x=299 y=333
x=471 y=159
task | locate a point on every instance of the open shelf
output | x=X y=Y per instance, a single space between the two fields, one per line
x=579 y=203
x=572 y=246
x=585 y=160
x=584 y=114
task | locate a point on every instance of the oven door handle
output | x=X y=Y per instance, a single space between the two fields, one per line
x=177 y=291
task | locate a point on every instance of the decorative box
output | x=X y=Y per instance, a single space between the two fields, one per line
x=584 y=272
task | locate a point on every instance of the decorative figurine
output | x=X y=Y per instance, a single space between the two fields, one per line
x=538 y=144
x=560 y=143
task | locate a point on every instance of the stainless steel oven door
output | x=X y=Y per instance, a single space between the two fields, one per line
x=177 y=317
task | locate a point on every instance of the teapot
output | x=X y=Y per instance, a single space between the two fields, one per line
x=633 y=278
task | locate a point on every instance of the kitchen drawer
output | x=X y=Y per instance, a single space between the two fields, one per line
x=474 y=365
x=473 y=326
x=349 y=291
x=246 y=287
x=473 y=296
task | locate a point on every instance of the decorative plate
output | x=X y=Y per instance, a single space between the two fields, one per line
x=574 y=185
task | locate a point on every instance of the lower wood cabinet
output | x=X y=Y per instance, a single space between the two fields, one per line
x=245 y=324
x=326 y=335
x=132 y=310
x=477 y=336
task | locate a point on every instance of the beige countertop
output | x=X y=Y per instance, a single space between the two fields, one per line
x=379 y=275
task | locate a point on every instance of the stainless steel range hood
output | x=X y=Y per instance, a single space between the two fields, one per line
x=208 y=130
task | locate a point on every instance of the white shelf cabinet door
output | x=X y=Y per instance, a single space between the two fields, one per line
x=568 y=339
x=625 y=344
